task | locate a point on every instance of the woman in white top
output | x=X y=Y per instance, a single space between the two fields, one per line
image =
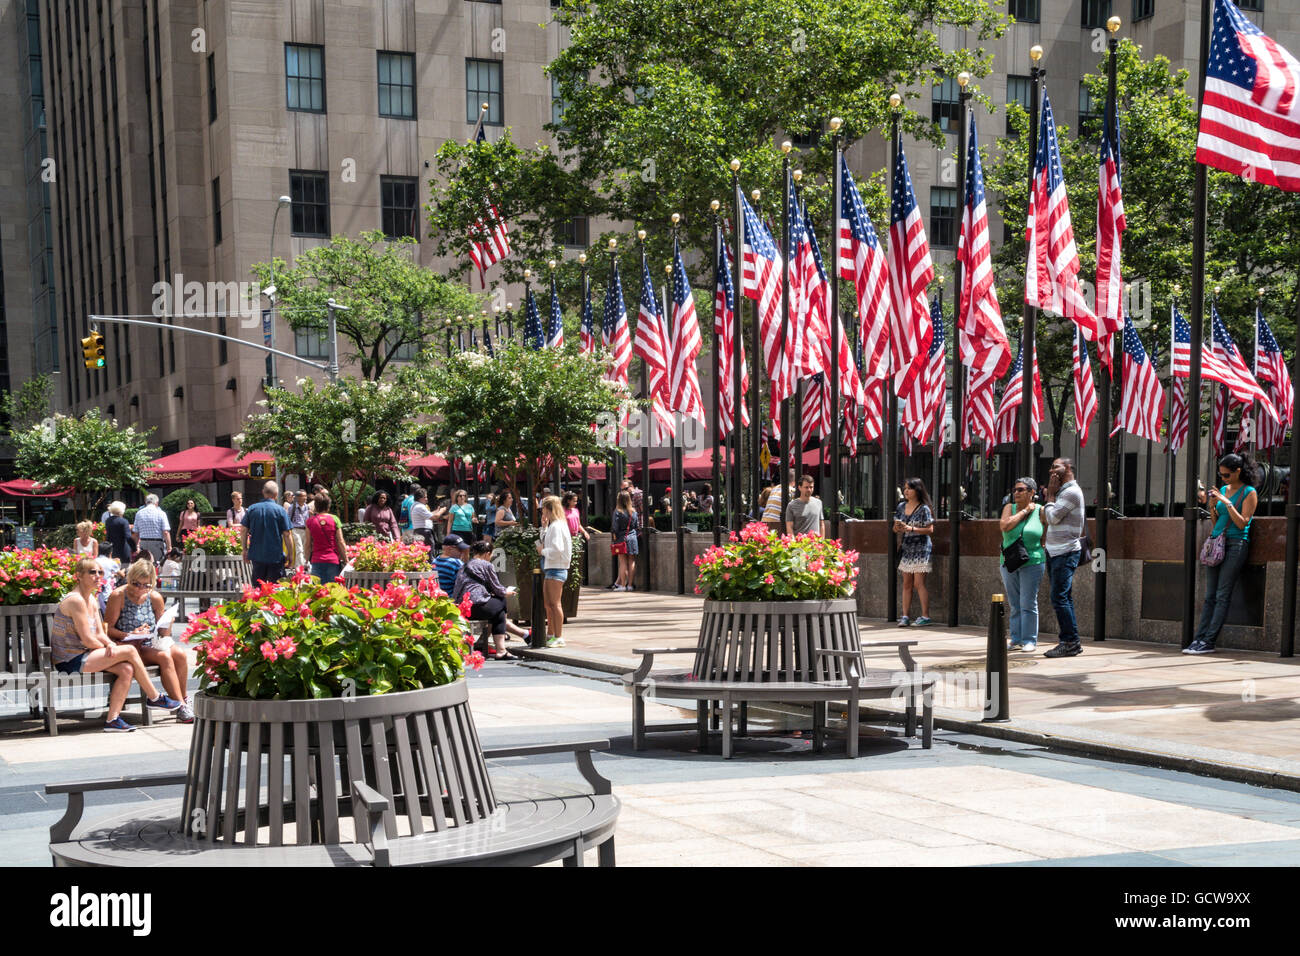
x=422 y=517
x=235 y=514
x=556 y=549
x=85 y=544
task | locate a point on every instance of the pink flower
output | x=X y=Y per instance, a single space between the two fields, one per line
x=726 y=576
x=768 y=579
x=465 y=606
x=269 y=652
x=418 y=617
x=276 y=608
x=304 y=612
x=474 y=660
x=284 y=646
x=255 y=626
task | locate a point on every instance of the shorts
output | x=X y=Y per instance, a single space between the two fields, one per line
x=72 y=665
x=556 y=574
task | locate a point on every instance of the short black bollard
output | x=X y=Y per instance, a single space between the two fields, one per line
x=997 y=697
x=538 y=615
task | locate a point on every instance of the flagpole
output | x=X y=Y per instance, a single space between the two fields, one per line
x=737 y=350
x=1024 y=449
x=787 y=192
x=833 y=374
x=615 y=473
x=938 y=415
x=715 y=417
x=797 y=386
x=890 y=485
x=648 y=420
x=1199 y=211
x=958 y=371
x=675 y=446
x=756 y=346
x=1292 y=514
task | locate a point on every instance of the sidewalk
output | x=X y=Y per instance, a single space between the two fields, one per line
x=1235 y=714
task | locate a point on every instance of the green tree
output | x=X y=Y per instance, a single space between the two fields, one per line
x=393 y=303
x=332 y=432
x=524 y=409
x=91 y=454
x=26 y=405
x=658 y=96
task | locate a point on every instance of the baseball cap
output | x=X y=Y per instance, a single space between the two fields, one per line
x=455 y=540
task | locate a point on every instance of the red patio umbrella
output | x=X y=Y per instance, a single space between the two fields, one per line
x=204 y=463
x=25 y=488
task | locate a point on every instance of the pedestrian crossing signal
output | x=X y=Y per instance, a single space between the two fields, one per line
x=92 y=348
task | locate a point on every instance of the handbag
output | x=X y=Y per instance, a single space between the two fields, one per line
x=1015 y=555
x=1213 y=550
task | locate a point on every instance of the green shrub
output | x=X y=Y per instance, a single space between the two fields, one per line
x=353 y=532
x=174 y=503
x=64 y=535
x=599 y=522
x=352 y=493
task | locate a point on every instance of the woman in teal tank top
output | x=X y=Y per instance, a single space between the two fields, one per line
x=1234 y=508
x=1022 y=519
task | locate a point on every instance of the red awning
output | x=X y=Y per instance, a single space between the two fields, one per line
x=24 y=488
x=697 y=467
x=428 y=466
x=204 y=463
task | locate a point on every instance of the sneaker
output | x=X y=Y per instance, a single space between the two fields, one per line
x=117 y=726
x=904 y=621
x=613 y=587
x=922 y=622
x=1014 y=646
x=163 y=702
x=1029 y=647
x=552 y=641
x=1191 y=648
x=1065 y=649
x=184 y=715
x=1202 y=647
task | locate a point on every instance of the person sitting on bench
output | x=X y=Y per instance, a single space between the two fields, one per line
x=79 y=645
x=130 y=618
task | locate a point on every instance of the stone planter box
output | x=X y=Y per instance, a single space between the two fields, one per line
x=371 y=579
x=418 y=748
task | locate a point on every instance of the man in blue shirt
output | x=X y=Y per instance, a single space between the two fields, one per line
x=452 y=559
x=267 y=537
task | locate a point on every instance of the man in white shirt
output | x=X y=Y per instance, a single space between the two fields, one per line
x=152 y=530
x=1064 y=515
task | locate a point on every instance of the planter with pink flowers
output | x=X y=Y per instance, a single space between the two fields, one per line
x=373 y=563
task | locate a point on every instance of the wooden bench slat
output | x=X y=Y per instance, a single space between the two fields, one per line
x=252 y=783
x=275 y=785
x=327 y=785
x=406 y=773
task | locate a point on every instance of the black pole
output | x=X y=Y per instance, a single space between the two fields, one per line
x=783 y=448
x=647 y=499
x=1292 y=516
x=958 y=381
x=1192 y=508
x=1028 y=350
x=937 y=437
x=738 y=356
x=890 y=489
x=1103 y=420
x=833 y=374
x=715 y=417
x=756 y=408
x=997 y=696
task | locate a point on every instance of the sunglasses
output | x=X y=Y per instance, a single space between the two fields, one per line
x=1225 y=475
x=96 y=573
x=1019 y=488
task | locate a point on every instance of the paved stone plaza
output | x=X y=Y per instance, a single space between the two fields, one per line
x=971 y=800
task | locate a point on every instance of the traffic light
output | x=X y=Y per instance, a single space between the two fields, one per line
x=92 y=347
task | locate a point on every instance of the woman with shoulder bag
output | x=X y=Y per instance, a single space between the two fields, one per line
x=1022 y=562
x=624 y=541
x=1225 y=551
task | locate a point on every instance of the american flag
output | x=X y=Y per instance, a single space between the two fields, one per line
x=1270 y=366
x=808 y=338
x=1178 y=417
x=1110 y=233
x=724 y=323
x=1008 y=428
x=489 y=241
x=1052 y=273
x=1213 y=368
x=684 y=379
x=534 y=338
x=816 y=407
x=1085 y=395
x=1243 y=386
x=555 y=331
x=979 y=412
x=910 y=271
x=862 y=260
x=613 y=330
x=983 y=339
x=1142 y=403
x=1219 y=421
x=587 y=328
x=925 y=403
x=651 y=345
x=1250 y=116
x=760 y=280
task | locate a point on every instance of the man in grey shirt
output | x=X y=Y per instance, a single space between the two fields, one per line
x=804 y=514
x=1064 y=514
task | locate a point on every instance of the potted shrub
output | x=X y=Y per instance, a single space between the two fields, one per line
x=573 y=586
x=302 y=673
x=32 y=583
x=520 y=545
x=372 y=562
x=778 y=586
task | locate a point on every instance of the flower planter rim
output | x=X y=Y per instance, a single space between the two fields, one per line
x=242 y=710
x=812 y=606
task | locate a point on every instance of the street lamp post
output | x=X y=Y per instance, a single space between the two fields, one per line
x=271 y=370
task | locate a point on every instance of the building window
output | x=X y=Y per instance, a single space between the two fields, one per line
x=1144 y=9
x=1095 y=14
x=216 y=211
x=398 y=195
x=406 y=352
x=1024 y=11
x=1020 y=90
x=310 y=343
x=212 y=88
x=575 y=232
x=943 y=217
x=945 y=105
x=808 y=140
x=1091 y=119
x=304 y=77
x=1256 y=6
x=557 y=103
x=170 y=448
x=483 y=85
x=311 y=203
x=397 y=85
